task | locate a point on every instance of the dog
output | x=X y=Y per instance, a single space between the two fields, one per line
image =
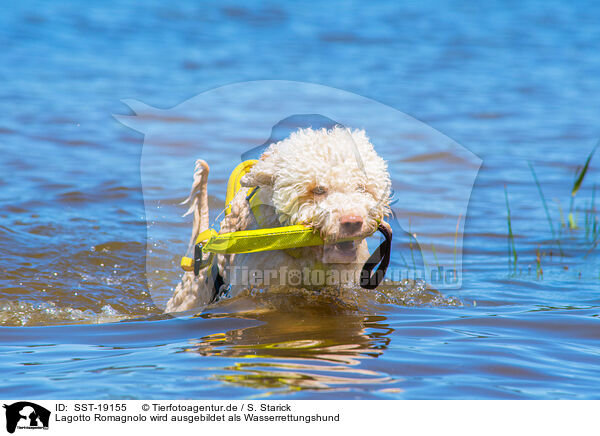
x=329 y=179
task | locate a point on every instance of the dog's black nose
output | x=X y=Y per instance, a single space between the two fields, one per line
x=351 y=224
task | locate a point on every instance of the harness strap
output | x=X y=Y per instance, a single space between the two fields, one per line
x=215 y=280
x=380 y=256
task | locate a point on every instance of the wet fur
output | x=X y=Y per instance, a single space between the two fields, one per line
x=341 y=160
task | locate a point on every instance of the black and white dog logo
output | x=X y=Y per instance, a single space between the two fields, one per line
x=26 y=415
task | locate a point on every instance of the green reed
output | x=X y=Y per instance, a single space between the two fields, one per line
x=591 y=225
x=579 y=176
x=538 y=263
x=512 y=249
x=539 y=188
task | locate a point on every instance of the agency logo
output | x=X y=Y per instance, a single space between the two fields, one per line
x=26 y=415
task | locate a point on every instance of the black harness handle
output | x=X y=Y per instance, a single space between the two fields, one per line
x=380 y=256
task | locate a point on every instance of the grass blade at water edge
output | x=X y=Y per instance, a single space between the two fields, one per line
x=539 y=187
x=579 y=179
x=577 y=184
x=511 y=238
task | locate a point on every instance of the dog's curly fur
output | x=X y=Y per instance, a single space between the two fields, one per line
x=332 y=180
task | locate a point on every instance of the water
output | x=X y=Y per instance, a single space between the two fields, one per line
x=511 y=82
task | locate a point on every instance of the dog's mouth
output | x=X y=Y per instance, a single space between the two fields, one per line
x=345 y=247
x=342 y=252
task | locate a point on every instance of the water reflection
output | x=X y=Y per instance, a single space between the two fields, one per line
x=318 y=343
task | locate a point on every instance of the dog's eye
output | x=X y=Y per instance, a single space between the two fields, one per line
x=361 y=188
x=319 y=190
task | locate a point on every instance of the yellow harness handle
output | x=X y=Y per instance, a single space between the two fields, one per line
x=254 y=241
x=234 y=184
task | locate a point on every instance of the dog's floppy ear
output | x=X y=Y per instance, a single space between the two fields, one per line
x=263 y=171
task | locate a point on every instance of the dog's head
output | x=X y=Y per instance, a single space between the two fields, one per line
x=332 y=180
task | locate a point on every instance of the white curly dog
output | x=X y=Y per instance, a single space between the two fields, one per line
x=332 y=180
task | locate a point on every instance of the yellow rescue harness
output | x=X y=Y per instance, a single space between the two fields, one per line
x=251 y=241
x=276 y=238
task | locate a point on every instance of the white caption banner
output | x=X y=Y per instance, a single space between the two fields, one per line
x=24 y=417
